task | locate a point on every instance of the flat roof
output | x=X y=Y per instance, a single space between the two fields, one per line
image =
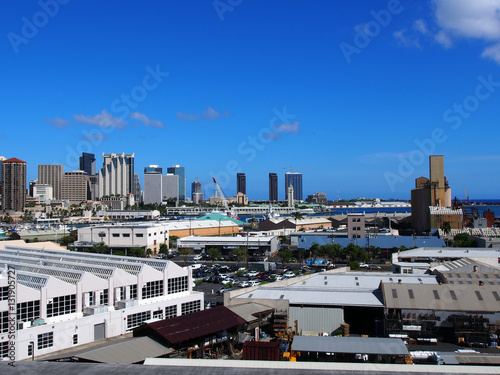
x=352 y=345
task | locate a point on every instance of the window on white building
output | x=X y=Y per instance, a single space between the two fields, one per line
x=4 y=293
x=170 y=311
x=190 y=307
x=45 y=340
x=158 y=314
x=4 y=349
x=61 y=305
x=103 y=299
x=133 y=291
x=135 y=320
x=4 y=322
x=27 y=311
x=152 y=289
x=177 y=284
x=75 y=339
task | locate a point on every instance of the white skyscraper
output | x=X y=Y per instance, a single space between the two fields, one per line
x=116 y=175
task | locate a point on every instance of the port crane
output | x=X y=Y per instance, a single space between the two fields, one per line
x=223 y=197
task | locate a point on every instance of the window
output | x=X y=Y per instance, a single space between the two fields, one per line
x=479 y=296
x=135 y=320
x=133 y=291
x=116 y=234
x=30 y=350
x=410 y=294
x=103 y=300
x=91 y=298
x=453 y=295
x=190 y=307
x=126 y=234
x=45 y=340
x=139 y=235
x=170 y=311
x=61 y=305
x=177 y=284
x=158 y=314
x=4 y=322
x=4 y=349
x=75 y=339
x=4 y=293
x=152 y=289
x=497 y=297
x=436 y=294
x=27 y=311
x=394 y=293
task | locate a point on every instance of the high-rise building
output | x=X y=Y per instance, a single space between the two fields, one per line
x=13 y=184
x=196 y=194
x=179 y=171
x=51 y=174
x=137 y=189
x=158 y=187
x=241 y=183
x=75 y=187
x=295 y=180
x=87 y=163
x=116 y=175
x=273 y=187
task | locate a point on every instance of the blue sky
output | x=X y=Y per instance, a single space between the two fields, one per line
x=357 y=94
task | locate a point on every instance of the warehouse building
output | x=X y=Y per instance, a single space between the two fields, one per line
x=64 y=299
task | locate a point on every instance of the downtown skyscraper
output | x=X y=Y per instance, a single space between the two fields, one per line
x=179 y=171
x=13 y=184
x=241 y=183
x=51 y=174
x=273 y=187
x=116 y=175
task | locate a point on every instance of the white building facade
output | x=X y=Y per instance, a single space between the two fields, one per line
x=64 y=299
x=117 y=175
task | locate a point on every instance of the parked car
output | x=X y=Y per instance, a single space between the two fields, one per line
x=228 y=280
x=191 y=261
x=198 y=257
x=243 y=284
x=251 y=274
x=223 y=289
x=364 y=265
x=289 y=274
x=253 y=282
x=375 y=267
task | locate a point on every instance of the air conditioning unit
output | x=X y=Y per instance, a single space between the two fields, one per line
x=126 y=304
x=94 y=310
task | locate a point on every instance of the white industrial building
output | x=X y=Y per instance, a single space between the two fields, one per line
x=125 y=236
x=64 y=298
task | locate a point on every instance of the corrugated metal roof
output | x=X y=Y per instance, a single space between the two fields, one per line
x=354 y=345
x=129 y=351
x=318 y=297
x=442 y=297
x=198 y=324
x=250 y=311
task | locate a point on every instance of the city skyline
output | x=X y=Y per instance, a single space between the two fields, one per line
x=359 y=94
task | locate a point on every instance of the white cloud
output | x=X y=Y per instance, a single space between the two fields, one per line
x=57 y=122
x=146 y=120
x=103 y=119
x=421 y=26
x=288 y=128
x=272 y=136
x=406 y=39
x=477 y=19
x=208 y=114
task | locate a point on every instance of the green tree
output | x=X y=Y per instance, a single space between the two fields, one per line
x=463 y=240
x=297 y=215
x=100 y=248
x=241 y=253
x=354 y=265
x=446 y=227
x=214 y=253
x=285 y=255
x=163 y=249
x=171 y=241
x=138 y=252
x=302 y=254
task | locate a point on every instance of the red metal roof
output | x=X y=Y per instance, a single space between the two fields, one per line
x=13 y=160
x=198 y=324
